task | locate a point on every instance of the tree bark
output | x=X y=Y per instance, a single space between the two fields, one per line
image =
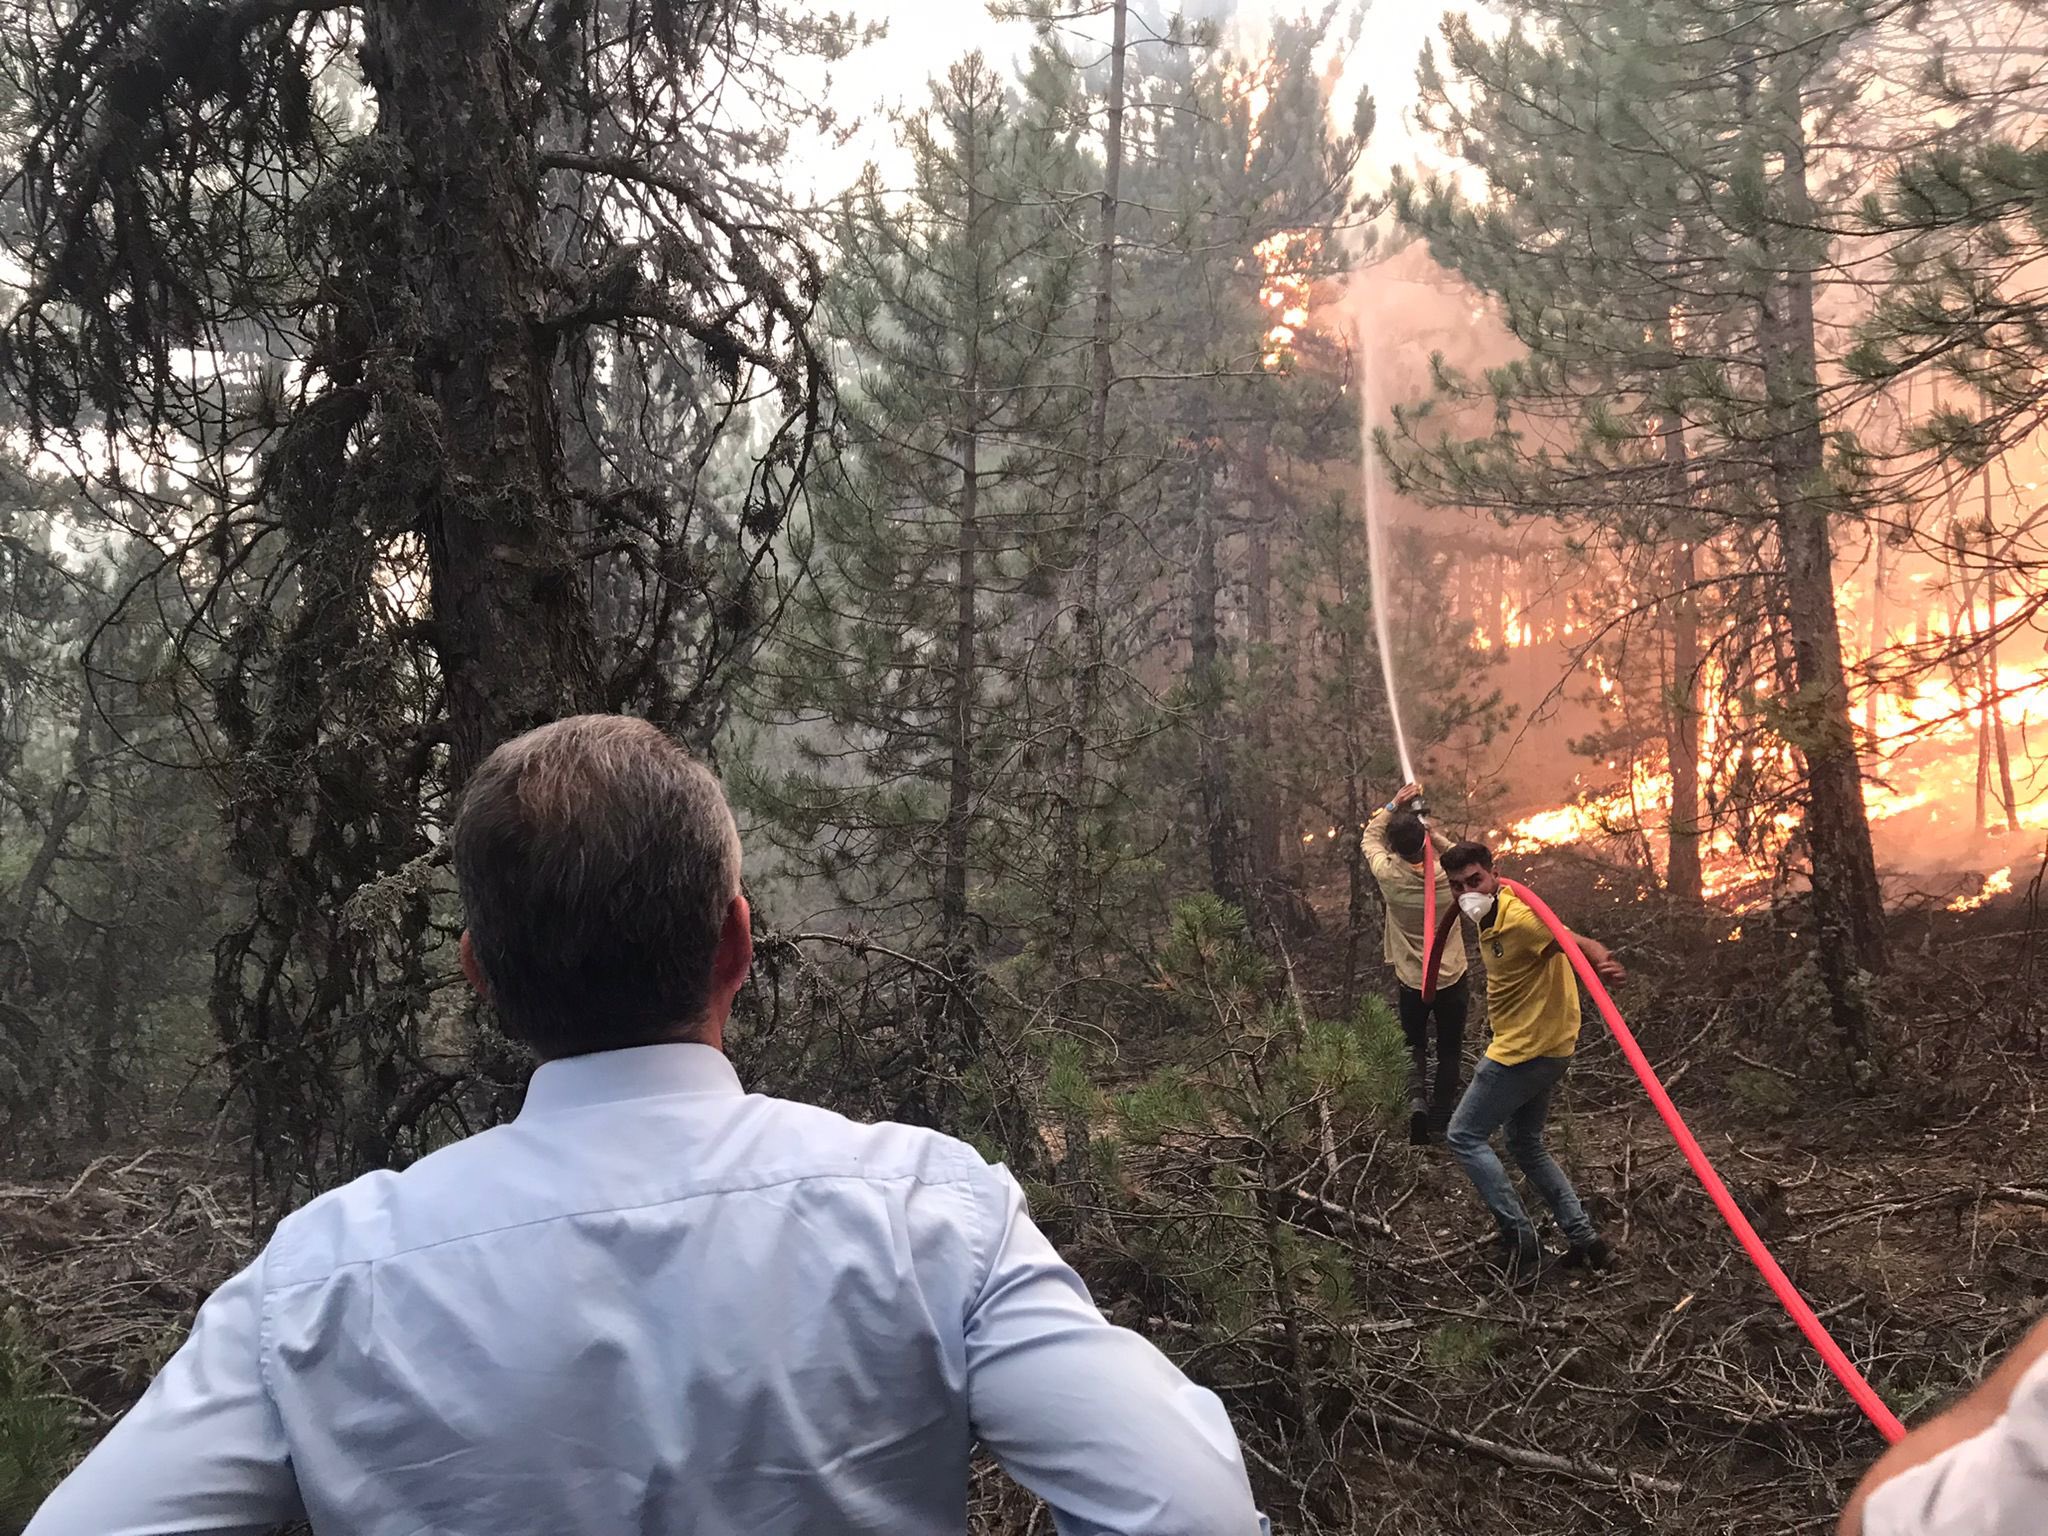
x=1875 y=647
x=1087 y=682
x=66 y=806
x=511 y=627
x=1847 y=899
x=1262 y=851
x=1356 y=704
x=1205 y=688
x=103 y=1087
x=966 y=554
x=1682 y=877
x=1994 y=707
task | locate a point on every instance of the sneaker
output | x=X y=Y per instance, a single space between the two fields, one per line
x=1596 y=1255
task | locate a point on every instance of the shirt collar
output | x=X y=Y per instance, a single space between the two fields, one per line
x=1501 y=897
x=637 y=1072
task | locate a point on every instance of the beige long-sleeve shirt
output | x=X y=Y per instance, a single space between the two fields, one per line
x=1401 y=890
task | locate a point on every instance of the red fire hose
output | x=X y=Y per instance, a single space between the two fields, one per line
x=1432 y=936
x=1780 y=1283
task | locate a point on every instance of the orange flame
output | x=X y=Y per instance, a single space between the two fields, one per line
x=1286 y=261
x=1997 y=883
x=1928 y=742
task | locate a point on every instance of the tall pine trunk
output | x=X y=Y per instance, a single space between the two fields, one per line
x=1356 y=702
x=110 y=1022
x=1994 y=708
x=66 y=805
x=511 y=625
x=1262 y=852
x=1847 y=900
x=1077 y=794
x=1205 y=686
x=966 y=553
x=1682 y=876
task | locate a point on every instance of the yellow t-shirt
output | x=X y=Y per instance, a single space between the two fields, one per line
x=1532 y=997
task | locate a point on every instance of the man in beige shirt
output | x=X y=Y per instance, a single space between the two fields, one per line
x=1392 y=843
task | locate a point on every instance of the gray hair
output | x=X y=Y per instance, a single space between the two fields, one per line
x=596 y=859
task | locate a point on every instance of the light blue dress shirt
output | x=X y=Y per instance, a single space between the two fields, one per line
x=1993 y=1484
x=656 y=1305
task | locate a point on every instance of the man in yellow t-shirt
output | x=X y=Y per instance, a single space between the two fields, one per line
x=1392 y=845
x=1532 y=1004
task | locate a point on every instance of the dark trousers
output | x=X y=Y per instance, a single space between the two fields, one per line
x=1449 y=1008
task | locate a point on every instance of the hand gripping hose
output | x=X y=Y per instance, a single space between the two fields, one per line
x=1780 y=1283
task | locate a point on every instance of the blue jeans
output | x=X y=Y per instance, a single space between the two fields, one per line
x=1517 y=1097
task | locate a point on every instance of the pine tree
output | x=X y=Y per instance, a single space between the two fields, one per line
x=1955 y=338
x=1234 y=1163
x=336 y=283
x=1242 y=179
x=908 y=642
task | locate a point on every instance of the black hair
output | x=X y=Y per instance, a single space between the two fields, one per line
x=1406 y=834
x=1465 y=855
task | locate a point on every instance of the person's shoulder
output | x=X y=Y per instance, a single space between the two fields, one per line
x=947 y=1191
x=1518 y=918
x=2030 y=1399
x=329 y=1231
x=883 y=1148
x=515 y=1176
x=364 y=1219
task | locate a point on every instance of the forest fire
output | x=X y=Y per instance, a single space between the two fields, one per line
x=1997 y=883
x=1941 y=775
x=1286 y=261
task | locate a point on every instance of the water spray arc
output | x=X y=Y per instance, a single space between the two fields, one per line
x=1376 y=554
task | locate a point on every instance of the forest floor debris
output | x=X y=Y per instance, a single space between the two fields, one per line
x=1669 y=1395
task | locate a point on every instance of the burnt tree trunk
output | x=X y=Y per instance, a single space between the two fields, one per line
x=511 y=625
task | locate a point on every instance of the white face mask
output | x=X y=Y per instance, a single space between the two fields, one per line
x=1475 y=905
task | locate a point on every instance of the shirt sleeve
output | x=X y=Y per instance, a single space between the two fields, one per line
x=1090 y=1417
x=1994 y=1484
x=202 y=1454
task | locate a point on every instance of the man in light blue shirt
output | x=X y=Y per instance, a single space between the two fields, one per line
x=1978 y=1469
x=653 y=1303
